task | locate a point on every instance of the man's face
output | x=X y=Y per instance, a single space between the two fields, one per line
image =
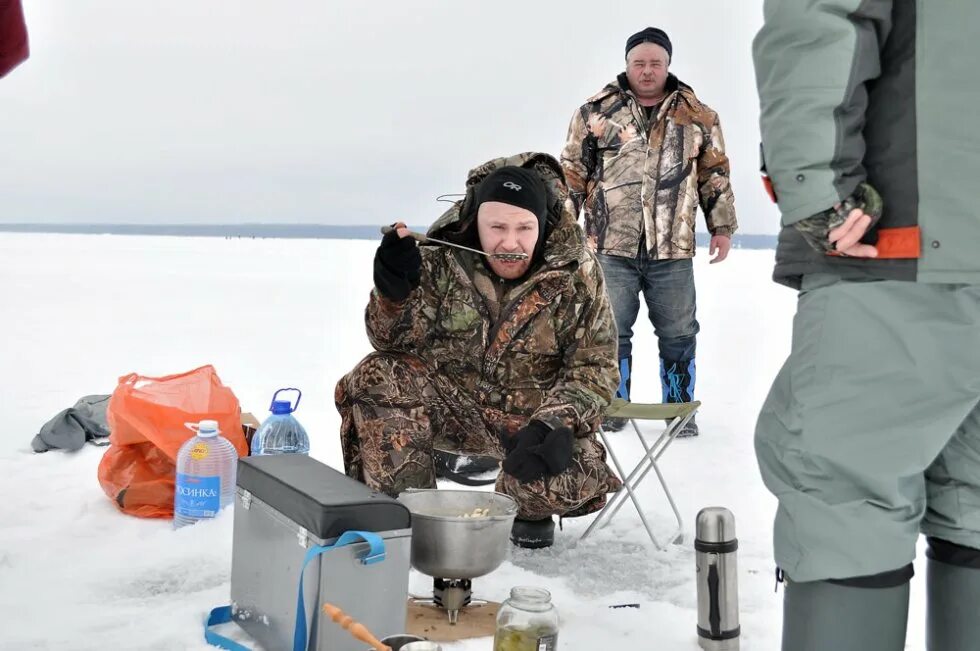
x=646 y=69
x=504 y=228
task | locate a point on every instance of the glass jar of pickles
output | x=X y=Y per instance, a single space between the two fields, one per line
x=527 y=621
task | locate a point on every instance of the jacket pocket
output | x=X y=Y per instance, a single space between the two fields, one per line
x=528 y=368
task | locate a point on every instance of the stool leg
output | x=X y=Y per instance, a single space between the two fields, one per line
x=678 y=536
x=619 y=468
x=652 y=453
x=629 y=484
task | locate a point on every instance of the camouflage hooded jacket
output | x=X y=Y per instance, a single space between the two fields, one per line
x=642 y=180
x=545 y=350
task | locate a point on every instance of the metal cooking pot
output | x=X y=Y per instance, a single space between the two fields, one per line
x=447 y=545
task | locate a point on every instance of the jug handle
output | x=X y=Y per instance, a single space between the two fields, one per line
x=299 y=395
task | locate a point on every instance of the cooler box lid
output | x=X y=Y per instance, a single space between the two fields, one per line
x=318 y=498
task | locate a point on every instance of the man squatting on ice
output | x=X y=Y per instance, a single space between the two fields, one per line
x=489 y=358
x=642 y=155
x=871 y=432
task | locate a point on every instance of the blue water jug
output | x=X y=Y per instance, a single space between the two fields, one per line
x=281 y=433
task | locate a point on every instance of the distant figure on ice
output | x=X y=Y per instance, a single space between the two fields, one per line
x=871 y=432
x=489 y=358
x=642 y=154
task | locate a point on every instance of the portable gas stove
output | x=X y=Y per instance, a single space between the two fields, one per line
x=451 y=595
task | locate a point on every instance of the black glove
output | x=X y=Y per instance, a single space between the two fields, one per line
x=816 y=229
x=531 y=434
x=397 y=267
x=547 y=453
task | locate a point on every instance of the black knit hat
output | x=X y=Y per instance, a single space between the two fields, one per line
x=515 y=186
x=651 y=35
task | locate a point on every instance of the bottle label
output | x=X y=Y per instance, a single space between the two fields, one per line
x=547 y=643
x=198 y=497
x=200 y=451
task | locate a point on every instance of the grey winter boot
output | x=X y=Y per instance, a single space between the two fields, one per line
x=953 y=595
x=830 y=616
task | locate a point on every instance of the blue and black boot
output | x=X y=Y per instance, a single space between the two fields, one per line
x=677 y=379
x=612 y=424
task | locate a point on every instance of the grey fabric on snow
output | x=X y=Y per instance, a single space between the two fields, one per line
x=73 y=427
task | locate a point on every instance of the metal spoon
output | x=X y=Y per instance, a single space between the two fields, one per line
x=424 y=239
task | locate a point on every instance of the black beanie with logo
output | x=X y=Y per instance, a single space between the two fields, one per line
x=516 y=186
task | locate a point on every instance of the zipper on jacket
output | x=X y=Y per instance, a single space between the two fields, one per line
x=656 y=187
x=645 y=124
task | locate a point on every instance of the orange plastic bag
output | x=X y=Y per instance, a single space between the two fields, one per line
x=147 y=417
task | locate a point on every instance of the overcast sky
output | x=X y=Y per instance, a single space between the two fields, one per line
x=330 y=111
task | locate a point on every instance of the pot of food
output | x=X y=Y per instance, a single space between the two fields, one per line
x=459 y=534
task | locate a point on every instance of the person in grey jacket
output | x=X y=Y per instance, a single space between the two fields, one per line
x=870 y=434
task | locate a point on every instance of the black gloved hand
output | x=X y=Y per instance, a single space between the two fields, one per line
x=547 y=452
x=397 y=266
x=557 y=450
x=531 y=434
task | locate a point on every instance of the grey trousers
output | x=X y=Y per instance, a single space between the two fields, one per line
x=871 y=431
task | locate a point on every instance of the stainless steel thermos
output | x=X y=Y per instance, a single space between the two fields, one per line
x=717 y=577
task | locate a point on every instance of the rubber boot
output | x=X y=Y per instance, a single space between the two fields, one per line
x=826 y=616
x=677 y=379
x=611 y=424
x=953 y=595
x=533 y=534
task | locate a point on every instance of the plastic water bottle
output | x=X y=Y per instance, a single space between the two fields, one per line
x=281 y=433
x=206 y=468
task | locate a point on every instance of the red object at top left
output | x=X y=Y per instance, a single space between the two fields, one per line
x=14 y=48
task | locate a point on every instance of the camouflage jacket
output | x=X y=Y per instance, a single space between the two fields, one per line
x=642 y=180
x=545 y=350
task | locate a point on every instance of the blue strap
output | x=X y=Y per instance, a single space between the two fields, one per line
x=223 y=614
x=375 y=555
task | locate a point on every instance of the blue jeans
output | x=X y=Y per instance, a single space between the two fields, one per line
x=668 y=289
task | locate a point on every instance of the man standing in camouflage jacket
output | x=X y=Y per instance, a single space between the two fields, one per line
x=642 y=154
x=481 y=356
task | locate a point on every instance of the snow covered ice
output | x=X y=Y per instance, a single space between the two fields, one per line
x=81 y=310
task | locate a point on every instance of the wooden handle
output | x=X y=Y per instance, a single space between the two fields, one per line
x=418 y=237
x=354 y=628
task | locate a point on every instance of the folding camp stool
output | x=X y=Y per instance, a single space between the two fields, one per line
x=676 y=415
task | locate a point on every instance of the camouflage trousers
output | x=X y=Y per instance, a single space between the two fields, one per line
x=395 y=410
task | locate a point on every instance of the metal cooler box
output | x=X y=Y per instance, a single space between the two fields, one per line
x=284 y=505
